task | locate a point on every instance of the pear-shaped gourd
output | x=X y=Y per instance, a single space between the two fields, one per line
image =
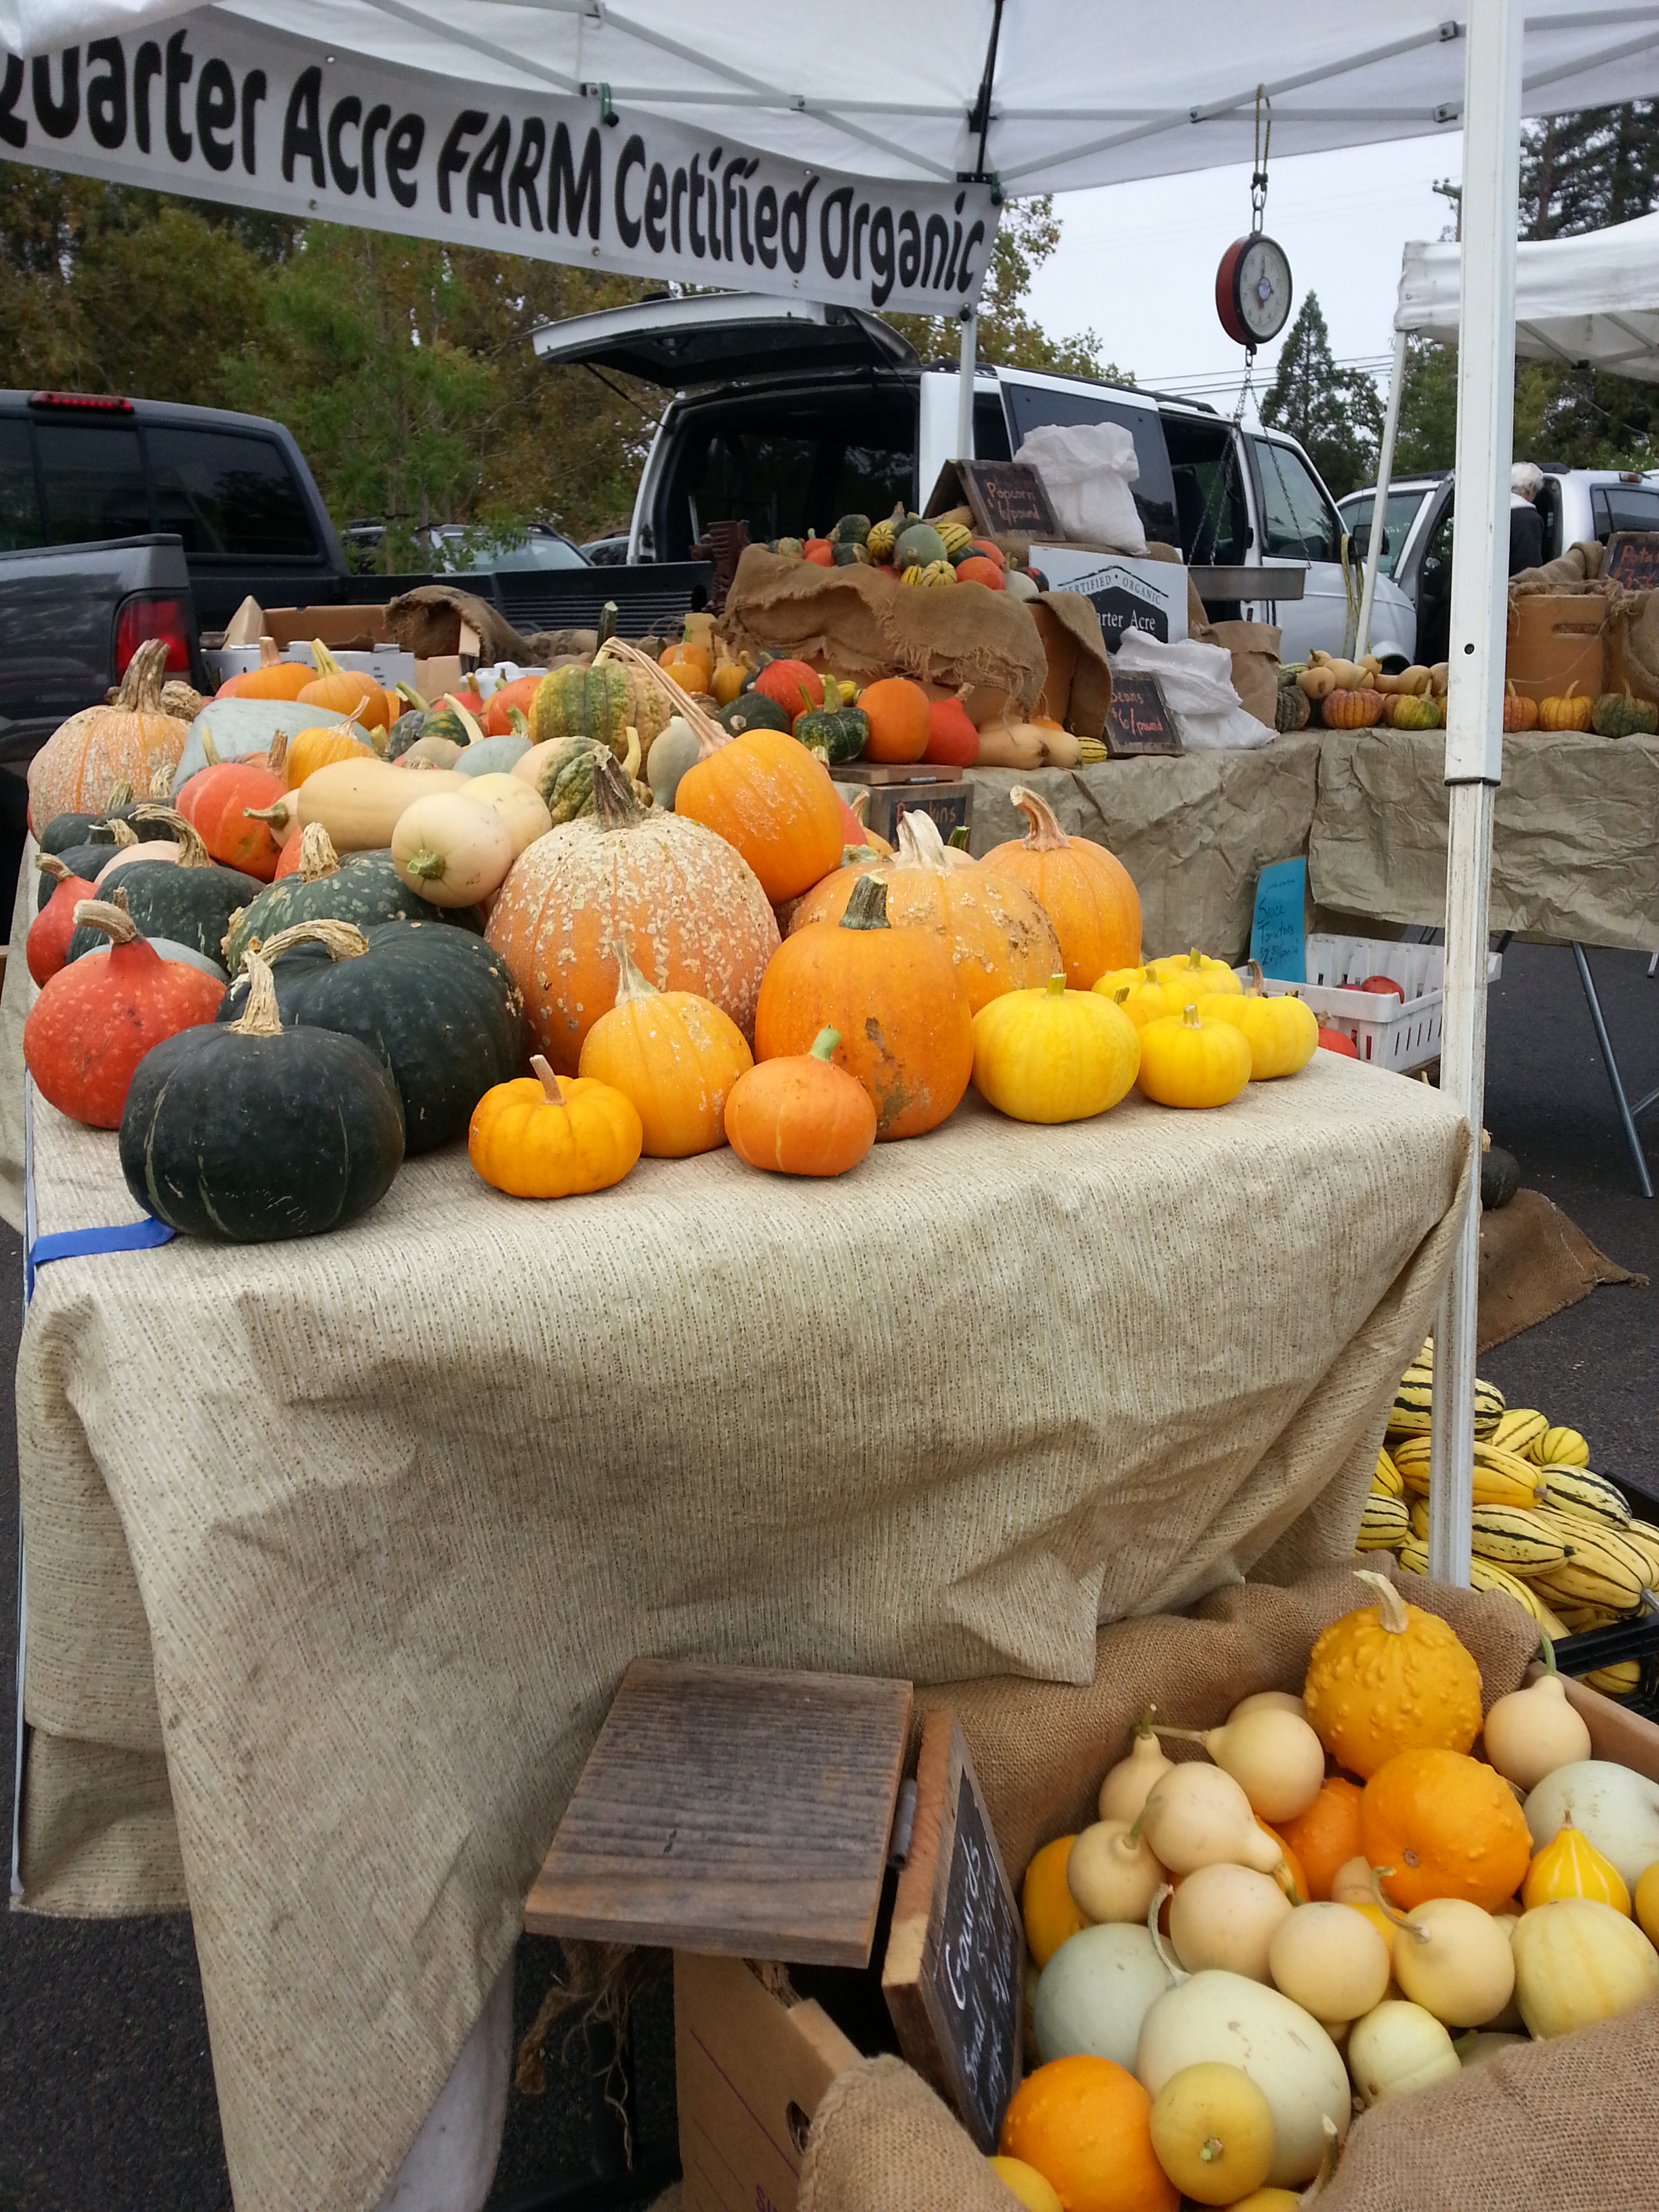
x=1329 y=1959
x=1197 y=1816
x=1451 y=1958
x=1278 y=1701
x=1111 y=1877
x=1570 y=1865
x=1124 y=1792
x=1273 y=1755
x=1531 y=1732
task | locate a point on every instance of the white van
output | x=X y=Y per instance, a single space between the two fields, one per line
x=787 y=416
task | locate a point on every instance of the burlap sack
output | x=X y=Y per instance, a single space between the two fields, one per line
x=1254 y=650
x=1633 y=643
x=862 y=626
x=426 y=621
x=1078 y=688
x=1578 y=569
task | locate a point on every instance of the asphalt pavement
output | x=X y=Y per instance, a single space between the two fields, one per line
x=106 y=2099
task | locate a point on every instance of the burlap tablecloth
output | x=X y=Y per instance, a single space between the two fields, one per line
x=1575 y=833
x=1195 y=832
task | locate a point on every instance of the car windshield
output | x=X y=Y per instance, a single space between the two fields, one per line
x=1299 y=522
x=1398 y=515
x=456 y=550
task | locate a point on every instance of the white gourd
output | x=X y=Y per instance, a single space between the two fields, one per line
x=1397 y=2048
x=1226 y=1916
x=1094 y=1993
x=1616 y=1808
x=1330 y=1960
x=1198 y=1816
x=1531 y=1732
x=1124 y=1792
x=1109 y=1877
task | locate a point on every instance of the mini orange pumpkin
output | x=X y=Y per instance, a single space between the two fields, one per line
x=900 y=724
x=553 y=1136
x=1519 y=712
x=1441 y=1824
x=1089 y=896
x=1388 y=1678
x=675 y=1054
x=348 y=691
x=1352 y=710
x=801 y=1115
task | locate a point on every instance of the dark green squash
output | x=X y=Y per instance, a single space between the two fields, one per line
x=65 y=831
x=1500 y=1178
x=249 y=1133
x=754 y=710
x=436 y=1005
x=442 y=721
x=834 y=733
x=191 y=899
x=364 y=888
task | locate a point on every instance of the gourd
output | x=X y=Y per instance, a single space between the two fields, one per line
x=46 y=946
x=1084 y=2125
x=899 y=723
x=1052 y=1054
x=1342 y=709
x=63 y=832
x=1481 y=2047
x=128 y=742
x=1088 y=894
x=1226 y=1916
x=435 y=1005
x=1187 y=1061
x=1645 y=1903
x=602 y=702
x=1050 y=1913
x=1576 y=1962
x=174 y=839
x=452 y=850
x=231 y=730
x=311 y=750
x=448 y=722
x=93 y=1022
x=917 y=546
x=1094 y=1993
x=1292 y=709
x=1519 y=713
x=502 y=701
x=1270 y=1701
x=563 y=771
x=1530 y=1732
x=894 y=998
x=1412 y=711
x=1451 y=1958
x=1025 y=2184
x=1621 y=714
x=550 y=1136
x=801 y=1115
x=771 y=799
x=681 y=900
x=248 y=1132
x=1615 y=1808
x=364 y=888
x=1282 y=1030
x=1111 y=1876
x=1570 y=1865
x=492 y=756
x=1326 y=1835
x=674 y=752
x=1124 y=1792
x=1273 y=1755
x=1197 y=1816
x=360 y=801
x=1388 y=1678
x=521 y=809
x=1567 y=710
x=348 y=692
x=1398 y=2048
x=1212 y=2131
x=998 y=938
x=1329 y=1959
x=216 y=802
x=757 y=710
x=676 y=1055
x=1446 y=1825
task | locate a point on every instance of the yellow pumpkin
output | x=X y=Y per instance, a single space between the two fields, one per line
x=1188 y=1062
x=314 y=749
x=1054 y=1055
x=675 y=1054
x=1282 y=1031
x=1570 y=1865
x=1143 y=1001
x=1567 y=711
x=553 y=1136
x=1188 y=976
x=1389 y=1678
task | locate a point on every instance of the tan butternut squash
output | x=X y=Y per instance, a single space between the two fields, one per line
x=360 y=802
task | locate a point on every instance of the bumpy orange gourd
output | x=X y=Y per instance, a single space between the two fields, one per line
x=997 y=937
x=83 y=760
x=1085 y=2125
x=773 y=800
x=801 y=1115
x=1570 y=1865
x=675 y=1054
x=552 y=1136
x=681 y=901
x=1444 y=1825
x=1089 y=896
x=906 y=1032
x=1388 y=1678
x=900 y=723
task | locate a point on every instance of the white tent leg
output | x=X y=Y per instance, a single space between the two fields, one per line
x=964 y=447
x=1474 y=718
x=1380 y=505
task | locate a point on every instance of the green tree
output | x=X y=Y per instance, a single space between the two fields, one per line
x=1334 y=413
x=1589 y=168
x=1027 y=241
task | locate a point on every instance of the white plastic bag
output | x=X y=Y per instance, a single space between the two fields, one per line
x=1086 y=470
x=1197 y=681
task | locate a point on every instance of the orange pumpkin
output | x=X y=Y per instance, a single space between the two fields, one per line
x=1089 y=896
x=1519 y=713
x=1084 y=2125
x=1352 y=710
x=1326 y=1836
x=131 y=742
x=675 y=1056
x=1570 y=711
x=906 y=1030
x=782 y=682
x=976 y=569
x=1447 y=1826
x=277 y=679
x=215 y=803
x=497 y=714
x=684 y=904
x=773 y=800
x=348 y=691
x=897 y=712
x=997 y=937
x=801 y=1115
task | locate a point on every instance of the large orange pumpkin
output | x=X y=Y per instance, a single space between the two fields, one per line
x=132 y=742
x=771 y=798
x=1089 y=896
x=998 y=936
x=1085 y=2125
x=906 y=1031
x=682 y=902
x=1448 y=1826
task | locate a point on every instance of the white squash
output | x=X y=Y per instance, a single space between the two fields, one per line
x=361 y=802
x=1226 y=1916
x=520 y=805
x=1396 y=2048
x=1616 y=1808
x=1270 y=1701
x=1094 y=1993
x=1576 y=1962
x=1330 y=1960
x=1111 y=1878
x=1454 y=1960
x=452 y=849
x=1128 y=1786
x=1530 y=1733
x=1197 y=1816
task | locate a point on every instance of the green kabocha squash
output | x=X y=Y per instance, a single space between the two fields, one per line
x=1500 y=1178
x=834 y=733
x=84 y=860
x=594 y=702
x=191 y=899
x=1619 y=714
x=364 y=888
x=436 y=1005
x=754 y=710
x=850 y=530
x=257 y=1132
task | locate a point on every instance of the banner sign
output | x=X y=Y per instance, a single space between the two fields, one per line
x=213 y=107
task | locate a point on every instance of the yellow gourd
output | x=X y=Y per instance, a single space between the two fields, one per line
x=1576 y=1962
x=1570 y=1865
x=1054 y=1055
x=1274 y=1757
x=1647 y=1904
x=1124 y=1792
x=1329 y=1959
x=1212 y=2131
x=1019 y=2179
x=1110 y=1878
x=1390 y=1678
x=1188 y=1062
x=1451 y=1958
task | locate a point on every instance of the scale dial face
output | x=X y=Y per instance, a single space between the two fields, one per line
x=1253 y=289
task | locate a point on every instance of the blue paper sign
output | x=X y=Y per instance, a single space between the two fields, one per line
x=1278 y=932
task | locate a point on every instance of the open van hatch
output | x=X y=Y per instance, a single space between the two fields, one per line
x=722 y=337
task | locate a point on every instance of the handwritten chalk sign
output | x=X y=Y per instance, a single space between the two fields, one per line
x=953 y=1973
x=1005 y=498
x=1278 y=931
x=1632 y=560
x=1140 y=720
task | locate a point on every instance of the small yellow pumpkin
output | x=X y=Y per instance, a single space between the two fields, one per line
x=1188 y=1062
x=1570 y=1865
x=1144 y=1001
x=553 y=1136
x=1189 y=976
x=1389 y=1678
x=310 y=749
x=1054 y=1055
x=1282 y=1031
x=1567 y=711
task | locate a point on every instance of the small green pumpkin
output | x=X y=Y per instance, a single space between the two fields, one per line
x=850 y=530
x=448 y=719
x=1621 y=714
x=65 y=831
x=364 y=888
x=592 y=702
x=754 y=710
x=253 y=1132
x=834 y=733
x=191 y=899
x=1291 y=709
x=848 y=556
x=1500 y=1178
x=919 y=546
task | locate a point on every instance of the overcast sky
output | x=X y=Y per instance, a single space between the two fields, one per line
x=1137 y=261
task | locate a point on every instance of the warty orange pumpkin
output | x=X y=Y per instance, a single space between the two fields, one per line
x=770 y=798
x=134 y=741
x=1088 y=894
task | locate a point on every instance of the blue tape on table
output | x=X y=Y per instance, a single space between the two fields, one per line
x=86 y=1243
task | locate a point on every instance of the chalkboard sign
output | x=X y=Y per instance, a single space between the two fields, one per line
x=1140 y=720
x=1632 y=560
x=953 y=1974
x=1005 y=498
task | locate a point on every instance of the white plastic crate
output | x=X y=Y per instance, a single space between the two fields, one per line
x=1392 y=1033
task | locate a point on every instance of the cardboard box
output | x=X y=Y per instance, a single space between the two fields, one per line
x=1126 y=594
x=1557 y=639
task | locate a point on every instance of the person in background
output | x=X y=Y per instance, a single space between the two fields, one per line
x=1526 y=523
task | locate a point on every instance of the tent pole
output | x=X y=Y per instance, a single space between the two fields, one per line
x=964 y=451
x=1475 y=705
x=1380 y=505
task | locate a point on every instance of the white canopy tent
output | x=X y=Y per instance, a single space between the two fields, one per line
x=581 y=130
